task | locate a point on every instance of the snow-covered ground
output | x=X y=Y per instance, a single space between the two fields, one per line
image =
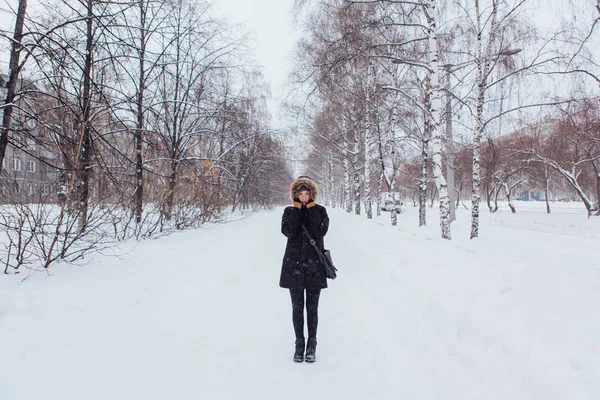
x=199 y=315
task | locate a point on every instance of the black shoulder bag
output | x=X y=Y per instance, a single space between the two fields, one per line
x=324 y=257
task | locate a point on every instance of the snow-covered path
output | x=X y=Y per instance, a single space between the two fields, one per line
x=199 y=315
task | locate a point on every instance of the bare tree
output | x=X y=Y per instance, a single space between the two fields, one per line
x=15 y=67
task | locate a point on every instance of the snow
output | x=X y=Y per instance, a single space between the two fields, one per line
x=198 y=314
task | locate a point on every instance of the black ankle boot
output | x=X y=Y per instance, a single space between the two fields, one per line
x=311 y=348
x=299 y=353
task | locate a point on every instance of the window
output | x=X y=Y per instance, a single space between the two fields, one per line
x=17 y=188
x=16 y=164
x=31 y=166
x=31 y=145
x=46 y=189
x=32 y=189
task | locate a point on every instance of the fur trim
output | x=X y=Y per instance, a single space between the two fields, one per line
x=314 y=189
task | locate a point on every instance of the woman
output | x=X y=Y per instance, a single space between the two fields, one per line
x=301 y=270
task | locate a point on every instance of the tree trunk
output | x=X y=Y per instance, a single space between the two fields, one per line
x=382 y=174
x=392 y=145
x=597 y=172
x=496 y=199
x=423 y=182
x=170 y=200
x=63 y=189
x=476 y=166
x=434 y=115
x=356 y=191
x=490 y=194
x=450 y=152
x=546 y=188
x=139 y=132
x=355 y=164
x=393 y=213
x=379 y=192
x=509 y=198
x=476 y=190
x=598 y=192
x=13 y=78
x=86 y=143
x=425 y=154
x=331 y=197
x=347 y=197
x=483 y=62
x=367 y=144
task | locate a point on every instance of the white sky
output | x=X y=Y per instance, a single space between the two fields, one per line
x=271 y=23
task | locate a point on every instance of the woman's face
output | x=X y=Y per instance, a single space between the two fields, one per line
x=304 y=196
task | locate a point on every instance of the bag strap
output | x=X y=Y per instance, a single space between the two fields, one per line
x=312 y=241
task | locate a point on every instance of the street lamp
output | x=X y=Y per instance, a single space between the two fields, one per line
x=509 y=52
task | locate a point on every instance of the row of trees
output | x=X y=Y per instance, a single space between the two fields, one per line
x=552 y=158
x=144 y=115
x=414 y=95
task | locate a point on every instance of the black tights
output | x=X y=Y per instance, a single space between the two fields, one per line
x=312 y=311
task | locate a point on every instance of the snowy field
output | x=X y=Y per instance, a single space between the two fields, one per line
x=199 y=315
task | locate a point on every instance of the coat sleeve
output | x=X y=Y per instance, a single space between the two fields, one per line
x=318 y=220
x=290 y=222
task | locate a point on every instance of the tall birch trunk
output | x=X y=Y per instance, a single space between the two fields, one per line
x=13 y=78
x=382 y=174
x=347 y=197
x=425 y=154
x=367 y=165
x=482 y=73
x=393 y=213
x=368 y=125
x=434 y=115
x=423 y=180
x=379 y=192
x=392 y=146
x=356 y=190
x=331 y=182
x=355 y=164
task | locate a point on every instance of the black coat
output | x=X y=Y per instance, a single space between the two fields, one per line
x=301 y=267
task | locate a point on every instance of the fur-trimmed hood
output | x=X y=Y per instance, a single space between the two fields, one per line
x=304 y=181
